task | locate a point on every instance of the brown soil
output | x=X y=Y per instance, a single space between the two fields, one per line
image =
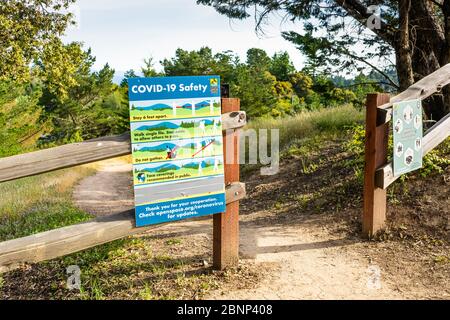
x=308 y=225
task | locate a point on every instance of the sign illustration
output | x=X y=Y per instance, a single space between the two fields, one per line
x=177 y=148
x=408 y=133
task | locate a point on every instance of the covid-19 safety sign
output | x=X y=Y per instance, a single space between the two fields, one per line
x=177 y=148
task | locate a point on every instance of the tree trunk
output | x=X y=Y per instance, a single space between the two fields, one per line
x=403 y=52
x=427 y=48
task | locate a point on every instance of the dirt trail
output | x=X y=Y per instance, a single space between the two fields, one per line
x=310 y=266
x=308 y=263
x=108 y=191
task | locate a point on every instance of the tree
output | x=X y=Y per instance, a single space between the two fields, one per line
x=201 y=62
x=148 y=70
x=258 y=59
x=81 y=104
x=416 y=33
x=281 y=66
x=302 y=85
x=128 y=74
x=21 y=124
x=26 y=28
x=256 y=91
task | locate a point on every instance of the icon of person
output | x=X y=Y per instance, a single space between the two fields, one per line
x=215 y=126
x=409 y=159
x=398 y=126
x=202 y=127
x=169 y=152
x=216 y=164
x=418 y=144
x=199 y=147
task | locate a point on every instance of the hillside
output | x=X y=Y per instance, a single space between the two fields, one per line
x=300 y=232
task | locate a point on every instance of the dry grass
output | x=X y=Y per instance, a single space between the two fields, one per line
x=44 y=202
x=307 y=124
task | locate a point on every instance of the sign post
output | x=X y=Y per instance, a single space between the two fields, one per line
x=177 y=148
x=376 y=151
x=226 y=224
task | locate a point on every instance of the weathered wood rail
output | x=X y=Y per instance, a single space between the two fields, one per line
x=378 y=174
x=70 y=155
x=59 y=242
x=384 y=176
x=422 y=89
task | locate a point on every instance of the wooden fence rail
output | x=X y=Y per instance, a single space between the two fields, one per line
x=378 y=174
x=59 y=242
x=71 y=155
x=422 y=89
x=384 y=176
x=70 y=239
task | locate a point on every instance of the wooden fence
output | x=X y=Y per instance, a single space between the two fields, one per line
x=55 y=243
x=378 y=174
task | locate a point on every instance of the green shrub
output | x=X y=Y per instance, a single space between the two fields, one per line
x=433 y=162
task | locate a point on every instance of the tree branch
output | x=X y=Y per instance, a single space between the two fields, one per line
x=359 y=11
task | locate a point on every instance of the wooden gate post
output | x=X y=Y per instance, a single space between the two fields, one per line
x=226 y=225
x=377 y=136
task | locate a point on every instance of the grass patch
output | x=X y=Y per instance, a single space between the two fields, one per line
x=303 y=134
x=311 y=123
x=142 y=268
x=40 y=203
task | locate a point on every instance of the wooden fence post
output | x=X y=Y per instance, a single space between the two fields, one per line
x=377 y=136
x=226 y=225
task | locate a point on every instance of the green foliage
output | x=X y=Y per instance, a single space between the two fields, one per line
x=281 y=66
x=333 y=33
x=36 y=204
x=256 y=91
x=310 y=124
x=356 y=147
x=50 y=94
x=434 y=162
x=20 y=118
x=148 y=70
x=41 y=220
x=82 y=104
x=27 y=28
x=128 y=74
x=200 y=62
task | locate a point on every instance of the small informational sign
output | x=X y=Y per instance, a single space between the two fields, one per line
x=408 y=134
x=177 y=148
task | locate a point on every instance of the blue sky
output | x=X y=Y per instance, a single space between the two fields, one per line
x=124 y=32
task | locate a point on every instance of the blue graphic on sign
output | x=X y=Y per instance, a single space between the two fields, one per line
x=173 y=88
x=176 y=135
x=179 y=209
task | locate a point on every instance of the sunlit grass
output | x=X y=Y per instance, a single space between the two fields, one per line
x=308 y=124
x=44 y=202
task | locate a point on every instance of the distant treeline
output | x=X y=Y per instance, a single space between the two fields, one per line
x=69 y=102
x=50 y=94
